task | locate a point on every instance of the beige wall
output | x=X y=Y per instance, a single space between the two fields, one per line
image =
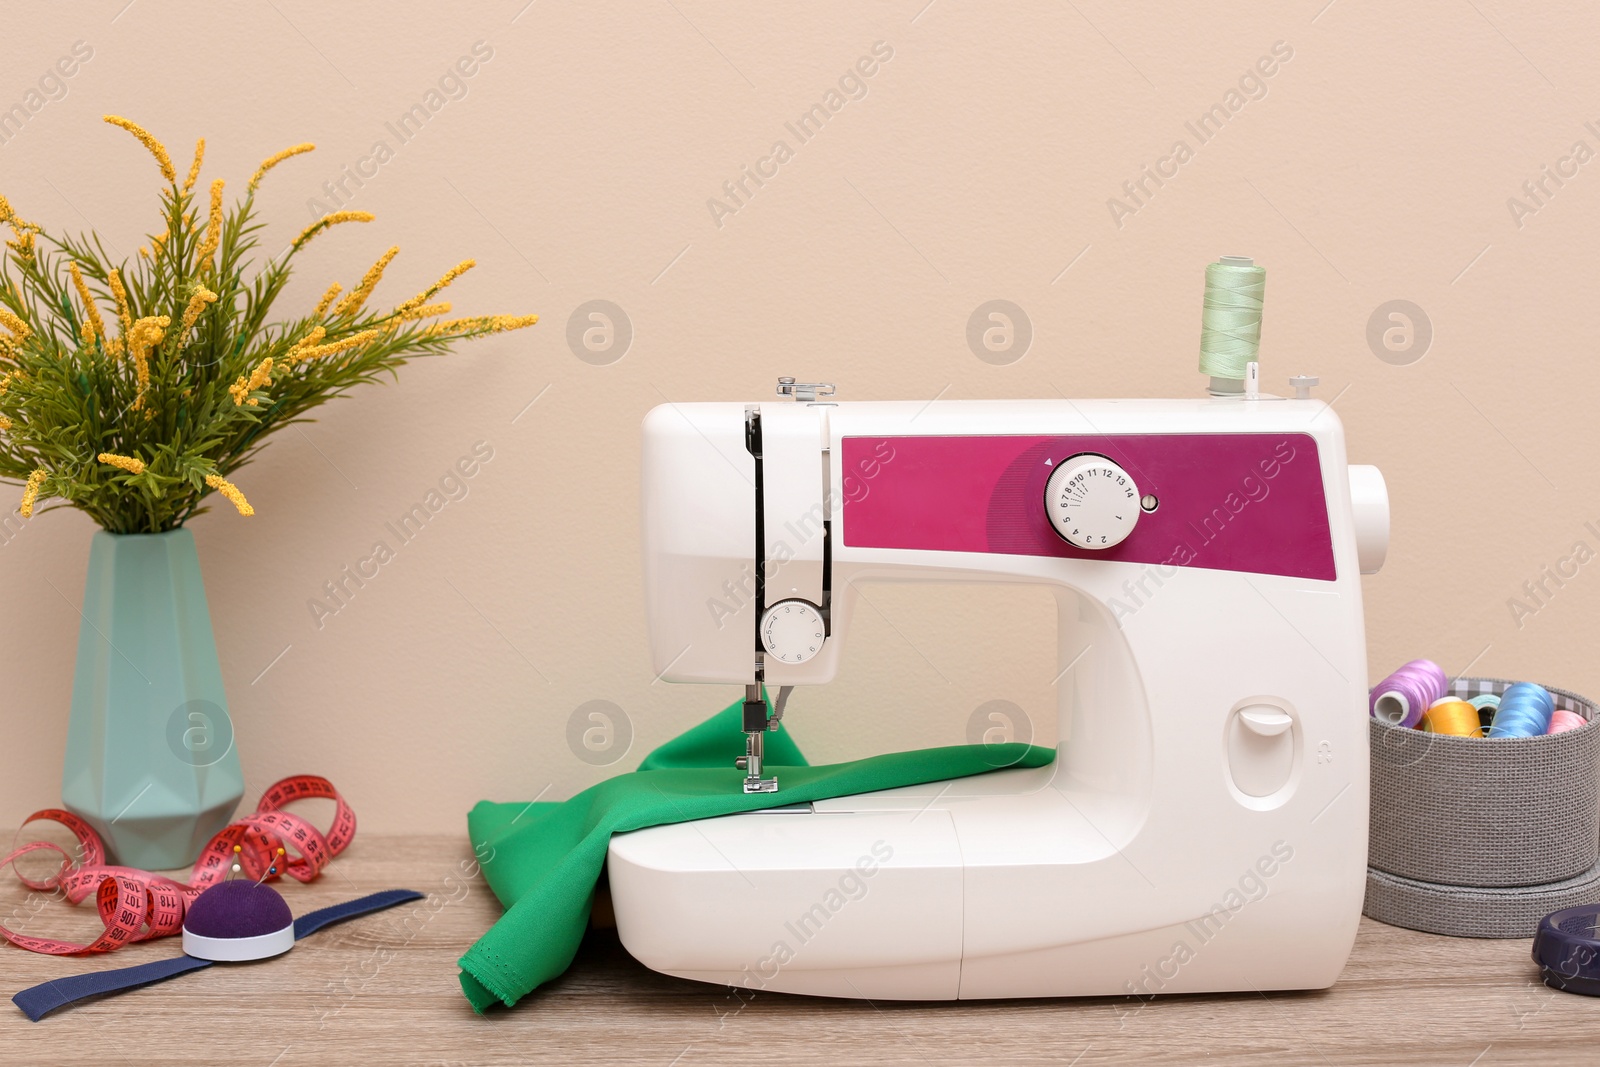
x=979 y=165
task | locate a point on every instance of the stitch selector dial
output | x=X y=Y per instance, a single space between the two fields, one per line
x=792 y=631
x=1091 y=502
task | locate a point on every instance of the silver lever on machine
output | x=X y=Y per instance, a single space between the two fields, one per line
x=805 y=392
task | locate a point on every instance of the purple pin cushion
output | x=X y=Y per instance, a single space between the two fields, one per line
x=238 y=920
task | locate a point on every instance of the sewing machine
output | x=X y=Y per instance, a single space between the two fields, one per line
x=1203 y=826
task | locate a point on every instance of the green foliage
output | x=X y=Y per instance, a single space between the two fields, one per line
x=71 y=394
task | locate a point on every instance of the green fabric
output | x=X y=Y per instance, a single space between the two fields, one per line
x=543 y=860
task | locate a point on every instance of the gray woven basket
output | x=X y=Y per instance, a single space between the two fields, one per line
x=1462 y=911
x=1486 y=812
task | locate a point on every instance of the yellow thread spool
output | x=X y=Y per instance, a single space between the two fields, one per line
x=1452 y=716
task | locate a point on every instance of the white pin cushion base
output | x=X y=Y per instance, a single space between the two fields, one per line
x=236 y=949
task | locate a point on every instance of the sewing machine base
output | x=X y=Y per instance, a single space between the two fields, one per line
x=939 y=892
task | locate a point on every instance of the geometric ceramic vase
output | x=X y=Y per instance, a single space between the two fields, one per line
x=151 y=763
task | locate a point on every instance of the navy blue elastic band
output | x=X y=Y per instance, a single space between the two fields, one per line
x=312 y=921
x=41 y=1000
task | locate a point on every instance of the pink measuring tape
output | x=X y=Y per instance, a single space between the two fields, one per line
x=138 y=906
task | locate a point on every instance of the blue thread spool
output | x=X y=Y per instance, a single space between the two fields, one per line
x=1524 y=711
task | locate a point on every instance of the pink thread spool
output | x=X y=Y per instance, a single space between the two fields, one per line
x=1402 y=697
x=1562 y=720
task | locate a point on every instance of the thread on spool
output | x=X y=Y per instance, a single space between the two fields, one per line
x=1230 y=317
x=1562 y=720
x=1451 y=716
x=1402 y=697
x=1486 y=703
x=1525 y=711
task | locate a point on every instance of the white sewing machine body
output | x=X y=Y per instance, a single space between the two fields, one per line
x=1203 y=827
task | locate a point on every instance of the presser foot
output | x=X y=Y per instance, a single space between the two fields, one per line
x=750 y=764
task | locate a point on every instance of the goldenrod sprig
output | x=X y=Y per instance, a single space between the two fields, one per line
x=481 y=324
x=194 y=168
x=156 y=148
x=241 y=389
x=213 y=228
x=344 y=344
x=93 y=328
x=333 y=219
x=427 y=294
x=30 y=492
x=327 y=298
x=120 y=292
x=18 y=328
x=353 y=303
x=197 y=303
x=272 y=161
x=131 y=464
x=147 y=333
x=231 y=492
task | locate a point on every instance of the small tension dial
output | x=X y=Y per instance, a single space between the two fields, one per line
x=1091 y=502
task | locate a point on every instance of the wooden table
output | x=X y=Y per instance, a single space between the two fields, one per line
x=382 y=989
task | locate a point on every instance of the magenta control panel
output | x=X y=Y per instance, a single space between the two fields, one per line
x=1236 y=502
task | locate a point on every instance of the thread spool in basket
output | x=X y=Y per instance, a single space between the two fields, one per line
x=1525 y=711
x=1562 y=720
x=1453 y=716
x=1402 y=697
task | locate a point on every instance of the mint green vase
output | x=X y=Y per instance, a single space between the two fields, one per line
x=151 y=762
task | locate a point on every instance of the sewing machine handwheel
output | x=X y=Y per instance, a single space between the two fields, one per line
x=792 y=631
x=1091 y=502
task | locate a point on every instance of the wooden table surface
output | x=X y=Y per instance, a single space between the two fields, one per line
x=382 y=989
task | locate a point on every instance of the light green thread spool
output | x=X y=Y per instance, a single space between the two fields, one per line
x=1230 y=321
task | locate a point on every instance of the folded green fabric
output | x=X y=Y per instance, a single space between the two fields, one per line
x=543 y=860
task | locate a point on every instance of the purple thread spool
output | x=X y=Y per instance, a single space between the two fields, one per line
x=1402 y=697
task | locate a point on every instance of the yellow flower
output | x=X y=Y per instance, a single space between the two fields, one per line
x=352 y=304
x=426 y=311
x=272 y=161
x=23 y=244
x=156 y=148
x=194 y=168
x=231 y=491
x=128 y=463
x=241 y=389
x=427 y=294
x=147 y=333
x=297 y=351
x=213 y=227
x=94 y=328
x=121 y=294
x=331 y=220
x=482 y=324
x=5 y=423
x=340 y=345
x=197 y=303
x=31 y=492
x=5 y=210
x=327 y=298
x=144 y=252
x=18 y=328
